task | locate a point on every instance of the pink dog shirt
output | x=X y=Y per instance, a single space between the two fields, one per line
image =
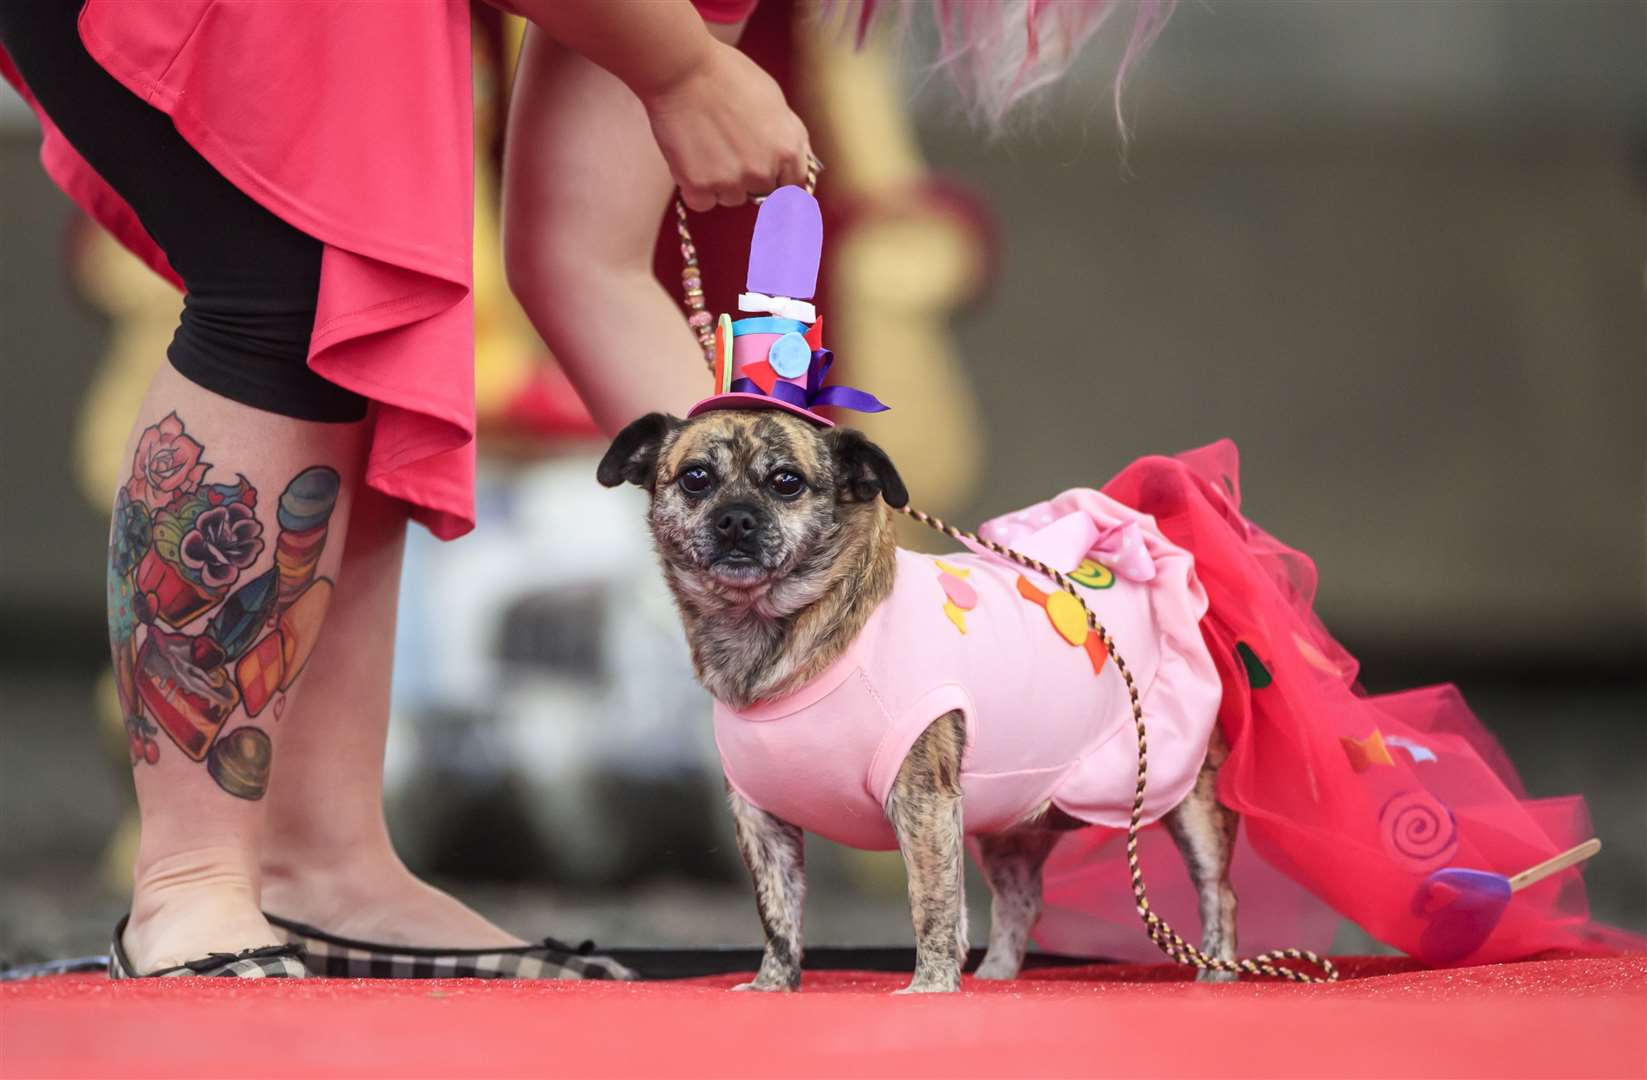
x=1046 y=709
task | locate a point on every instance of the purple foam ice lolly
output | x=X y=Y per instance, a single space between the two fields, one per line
x=1463 y=906
x=786 y=247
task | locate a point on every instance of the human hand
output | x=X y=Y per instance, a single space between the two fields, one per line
x=726 y=131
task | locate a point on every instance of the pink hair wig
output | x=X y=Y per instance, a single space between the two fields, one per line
x=997 y=52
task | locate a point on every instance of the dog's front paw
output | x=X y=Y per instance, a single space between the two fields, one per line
x=768 y=986
x=932 y=984
x=1208 y=976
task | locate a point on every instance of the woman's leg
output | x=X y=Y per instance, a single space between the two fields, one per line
x=584 y=188
x=229 y=531
x=212 y=621
x=327 y=859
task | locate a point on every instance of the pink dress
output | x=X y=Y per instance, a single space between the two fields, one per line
x=352 y=123
x=1047 y=714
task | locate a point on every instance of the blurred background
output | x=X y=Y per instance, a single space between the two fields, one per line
x=1396 y=251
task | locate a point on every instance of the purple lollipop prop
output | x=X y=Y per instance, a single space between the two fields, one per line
x=1463 y=906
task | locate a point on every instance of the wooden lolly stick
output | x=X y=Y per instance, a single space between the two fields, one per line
x=1553 y=865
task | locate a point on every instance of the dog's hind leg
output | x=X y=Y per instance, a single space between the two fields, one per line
x=774 y=851
x=1012 y=862
x=1204 y=830
x=925 y=810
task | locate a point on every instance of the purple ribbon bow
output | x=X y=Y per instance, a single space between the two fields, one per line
x=815 y=393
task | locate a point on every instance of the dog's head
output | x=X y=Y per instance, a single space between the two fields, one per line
x=754 y=504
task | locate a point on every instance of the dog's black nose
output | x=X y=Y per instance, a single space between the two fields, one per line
x=736 y=522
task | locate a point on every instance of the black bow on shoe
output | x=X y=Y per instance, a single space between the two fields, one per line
x=555 y=944
x=221 y=959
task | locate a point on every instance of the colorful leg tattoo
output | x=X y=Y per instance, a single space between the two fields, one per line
x=204 y=625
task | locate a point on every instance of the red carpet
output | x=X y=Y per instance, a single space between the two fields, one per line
x=1554 y=1017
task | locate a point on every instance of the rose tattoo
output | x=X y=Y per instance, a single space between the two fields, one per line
x=167 y=464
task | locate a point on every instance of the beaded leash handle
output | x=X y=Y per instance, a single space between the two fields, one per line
x=697 y=313
x=1165 y=937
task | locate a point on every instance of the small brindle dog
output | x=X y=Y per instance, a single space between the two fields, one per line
x=777 y=540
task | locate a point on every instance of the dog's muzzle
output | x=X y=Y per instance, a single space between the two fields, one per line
x=737 y=531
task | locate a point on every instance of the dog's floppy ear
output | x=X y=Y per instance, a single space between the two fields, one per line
x=863 y=471
x=633 y=456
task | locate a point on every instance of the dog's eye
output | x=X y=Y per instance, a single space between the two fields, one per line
x=695 y=481
x=786 y=485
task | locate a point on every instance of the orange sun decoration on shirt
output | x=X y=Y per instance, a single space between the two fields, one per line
x=1069 y=618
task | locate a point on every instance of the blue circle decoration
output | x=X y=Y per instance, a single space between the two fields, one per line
x=790 y=356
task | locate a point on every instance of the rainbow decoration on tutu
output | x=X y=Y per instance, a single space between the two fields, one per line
x=776 y=359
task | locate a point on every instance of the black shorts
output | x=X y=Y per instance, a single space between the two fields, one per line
x=250 y=280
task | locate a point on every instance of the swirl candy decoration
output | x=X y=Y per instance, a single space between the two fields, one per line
x=1418 y=829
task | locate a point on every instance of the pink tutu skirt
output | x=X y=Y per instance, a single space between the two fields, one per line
x=1350 y=804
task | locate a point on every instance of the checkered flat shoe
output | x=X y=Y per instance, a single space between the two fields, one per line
x=345 y=958
x=269 y=962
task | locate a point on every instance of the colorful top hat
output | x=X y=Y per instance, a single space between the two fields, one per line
x=777 y=359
